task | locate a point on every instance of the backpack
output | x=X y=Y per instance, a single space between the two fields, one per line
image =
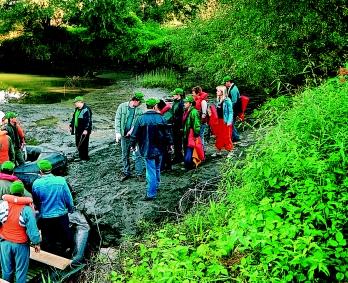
x=240 y=106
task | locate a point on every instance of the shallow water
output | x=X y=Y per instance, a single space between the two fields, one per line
x=38 y=89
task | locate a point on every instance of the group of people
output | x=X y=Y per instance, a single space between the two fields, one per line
x=22 y=213
x=170 y=133
x=157 y=137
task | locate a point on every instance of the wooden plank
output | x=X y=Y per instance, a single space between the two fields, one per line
x=50 y=259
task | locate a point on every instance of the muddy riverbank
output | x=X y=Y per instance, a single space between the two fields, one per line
x=115 y=209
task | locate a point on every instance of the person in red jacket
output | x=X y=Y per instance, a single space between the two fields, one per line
x=201 y=105
x=18 y=229
x=7 y=152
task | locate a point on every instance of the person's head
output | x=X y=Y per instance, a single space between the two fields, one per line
x=227 y=81
x=151 y=103
x=160 y=105
x=45 y=166
x=137 y=99
x=7 y=167
x=188 y=101
x=196 y=90
x=17 y=188
x=178 y=93
x=11 y=117
x=221 y=92
x=79 y=101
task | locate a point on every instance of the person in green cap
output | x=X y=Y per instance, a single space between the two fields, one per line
x=53 y=199
x=81 y=127
x=234 y=95
x=16 y=135
x=126 y=115
x=7 y=178
x=191 y=120
x=18 y=229
x=152 y=136
x=177 y=112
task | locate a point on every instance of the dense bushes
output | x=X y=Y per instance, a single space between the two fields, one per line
x=273 y=46
x=282 y=217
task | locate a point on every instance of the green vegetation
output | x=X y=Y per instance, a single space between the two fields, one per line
x=282 y=212
x=159 y=78
x=47 y=122
x=268 y=46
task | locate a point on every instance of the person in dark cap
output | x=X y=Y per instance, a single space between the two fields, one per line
x=126 y=115
x=152 y=135
x=7 y=178
x=234 y=95
x=54 y=201
x=18 y=229
x=177 y=112
x=81 y=126
x=18 y=141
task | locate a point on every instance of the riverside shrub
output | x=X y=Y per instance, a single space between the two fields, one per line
x=282 y=217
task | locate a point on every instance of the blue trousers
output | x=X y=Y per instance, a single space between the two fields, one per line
x=188 y=163
x=201 y=134
x=14 y=260
x=235 y=135
x=153 y=175
x=138 y=160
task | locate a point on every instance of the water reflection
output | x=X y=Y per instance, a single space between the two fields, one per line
x=26 y=88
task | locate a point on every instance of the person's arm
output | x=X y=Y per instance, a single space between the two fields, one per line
x=135 y=134
x=87 y=118
x=235 y=94
x=230 y=111
x=27 y=220
x=68 y=199
x=196 y=123
x=204 y=105
x=11 y=151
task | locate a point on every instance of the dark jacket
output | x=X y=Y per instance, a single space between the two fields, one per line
x=151 y=134
x=177 y=111
x=84 y=120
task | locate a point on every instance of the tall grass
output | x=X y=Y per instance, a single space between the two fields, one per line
x=165 y=78
x=282 y=217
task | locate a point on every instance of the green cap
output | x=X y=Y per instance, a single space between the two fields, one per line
x=178 y=90
x=17 y=187
x=10 y=115
x=189 y=99
x=78 y=99
x=44 y=165
x=8 y=165
x=139 y=96
x=151 y=101
x=226 y=79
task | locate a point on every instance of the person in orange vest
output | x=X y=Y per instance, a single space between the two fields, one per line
x=6 y=148
x=12 y=130
x=18 y=229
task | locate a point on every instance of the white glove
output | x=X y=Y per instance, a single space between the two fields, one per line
x=118 y=137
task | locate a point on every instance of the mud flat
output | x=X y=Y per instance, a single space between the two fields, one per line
x=115 y=209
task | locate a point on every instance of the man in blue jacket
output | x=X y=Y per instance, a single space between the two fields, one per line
x=234 y=95
x=54 y=201
x=152 y=135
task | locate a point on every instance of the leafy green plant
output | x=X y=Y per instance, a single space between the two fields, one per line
x=166 y=78
x=282 y=212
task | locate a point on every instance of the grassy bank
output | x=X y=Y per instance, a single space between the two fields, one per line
x=282 y=212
